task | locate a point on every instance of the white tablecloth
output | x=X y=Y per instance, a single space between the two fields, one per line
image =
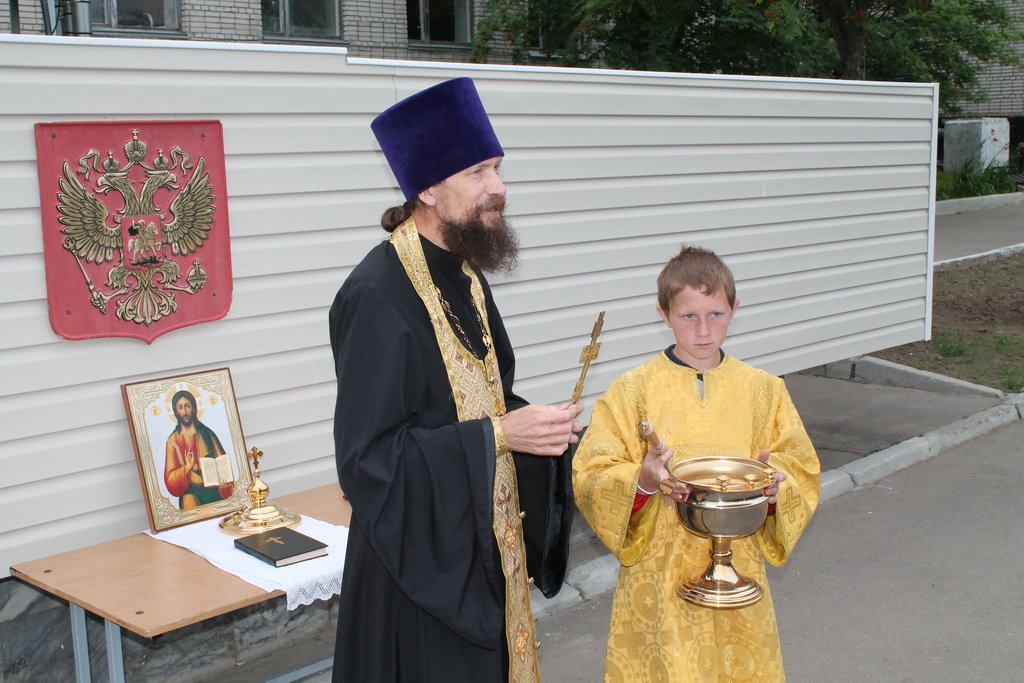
x=303 y=582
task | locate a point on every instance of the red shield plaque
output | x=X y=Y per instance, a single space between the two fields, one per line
x=135 y=226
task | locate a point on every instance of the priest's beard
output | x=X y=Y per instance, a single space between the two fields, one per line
x=487 y=247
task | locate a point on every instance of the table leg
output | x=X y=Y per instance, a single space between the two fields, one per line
x=115 y=659
x=80 y=644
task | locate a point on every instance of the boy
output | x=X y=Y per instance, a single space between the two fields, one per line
x=701 y=402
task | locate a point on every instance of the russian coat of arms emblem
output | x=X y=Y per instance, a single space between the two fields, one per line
x=135 y=226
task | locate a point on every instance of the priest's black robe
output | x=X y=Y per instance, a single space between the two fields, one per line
x=423 y=594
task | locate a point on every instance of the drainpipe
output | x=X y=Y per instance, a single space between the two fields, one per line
x=15 y=17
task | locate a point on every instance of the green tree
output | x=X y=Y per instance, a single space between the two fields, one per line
x=943 y=41
x=551 y=29
x=700 y=36
x=709 y=36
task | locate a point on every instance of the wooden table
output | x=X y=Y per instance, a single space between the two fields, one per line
x=151 y=587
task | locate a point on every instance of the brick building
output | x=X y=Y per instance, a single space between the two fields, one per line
x=1004 y=84
x=432 y=30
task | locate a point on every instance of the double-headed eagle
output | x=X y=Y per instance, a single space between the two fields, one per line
x=137 y=237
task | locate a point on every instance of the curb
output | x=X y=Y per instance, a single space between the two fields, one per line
x=978 y=258
x=599 y=575
x=990 y=201
x=869 y=370
x=878 y=465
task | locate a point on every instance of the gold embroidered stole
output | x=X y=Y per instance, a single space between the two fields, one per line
x=476 y=387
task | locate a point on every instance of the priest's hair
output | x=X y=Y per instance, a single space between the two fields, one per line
x=397 y=215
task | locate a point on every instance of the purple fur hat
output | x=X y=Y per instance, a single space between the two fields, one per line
x=434 y=134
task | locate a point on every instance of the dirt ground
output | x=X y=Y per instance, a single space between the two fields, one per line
x=977 y=326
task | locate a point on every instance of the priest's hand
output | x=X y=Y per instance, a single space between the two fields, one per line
x=654 y=474
x=780 y=476
x=542 y=429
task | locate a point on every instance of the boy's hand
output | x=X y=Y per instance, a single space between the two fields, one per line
x=654 y=474
x=770 y=491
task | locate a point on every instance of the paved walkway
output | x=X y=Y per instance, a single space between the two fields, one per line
x=972 y=233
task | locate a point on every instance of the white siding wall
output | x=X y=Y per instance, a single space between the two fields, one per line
x=817 y=193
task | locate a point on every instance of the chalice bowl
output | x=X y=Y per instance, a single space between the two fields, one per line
x=726 y=502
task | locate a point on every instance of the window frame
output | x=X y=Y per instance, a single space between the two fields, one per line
x=288 y=33
x=172 y=17
x=424 y=15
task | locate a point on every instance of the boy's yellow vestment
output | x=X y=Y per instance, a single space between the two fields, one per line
x=654 y=635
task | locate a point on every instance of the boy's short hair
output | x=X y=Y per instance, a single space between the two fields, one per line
x=698 y=268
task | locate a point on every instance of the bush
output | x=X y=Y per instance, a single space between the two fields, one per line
x=973 y=181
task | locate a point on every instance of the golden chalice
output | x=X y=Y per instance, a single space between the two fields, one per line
x=726 y=502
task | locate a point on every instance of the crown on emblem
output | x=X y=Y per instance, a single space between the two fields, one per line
x=110 y=164
x=135 y=149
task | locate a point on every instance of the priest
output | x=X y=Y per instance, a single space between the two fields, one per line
x=438 y=457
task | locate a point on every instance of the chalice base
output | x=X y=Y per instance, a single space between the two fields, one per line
x=259 y=519
x=721 y=587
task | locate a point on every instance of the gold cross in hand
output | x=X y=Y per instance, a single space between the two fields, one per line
x=588 y=354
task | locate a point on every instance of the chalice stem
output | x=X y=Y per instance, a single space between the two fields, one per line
x=721 y=571
x=721 y=549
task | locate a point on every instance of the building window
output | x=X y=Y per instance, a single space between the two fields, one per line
x=135 y=14
x=438 y=21
x=310 y=18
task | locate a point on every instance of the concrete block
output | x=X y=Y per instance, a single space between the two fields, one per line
x=35 y=636
x=985 y=141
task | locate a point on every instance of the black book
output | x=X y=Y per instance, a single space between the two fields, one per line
x=281 y=547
